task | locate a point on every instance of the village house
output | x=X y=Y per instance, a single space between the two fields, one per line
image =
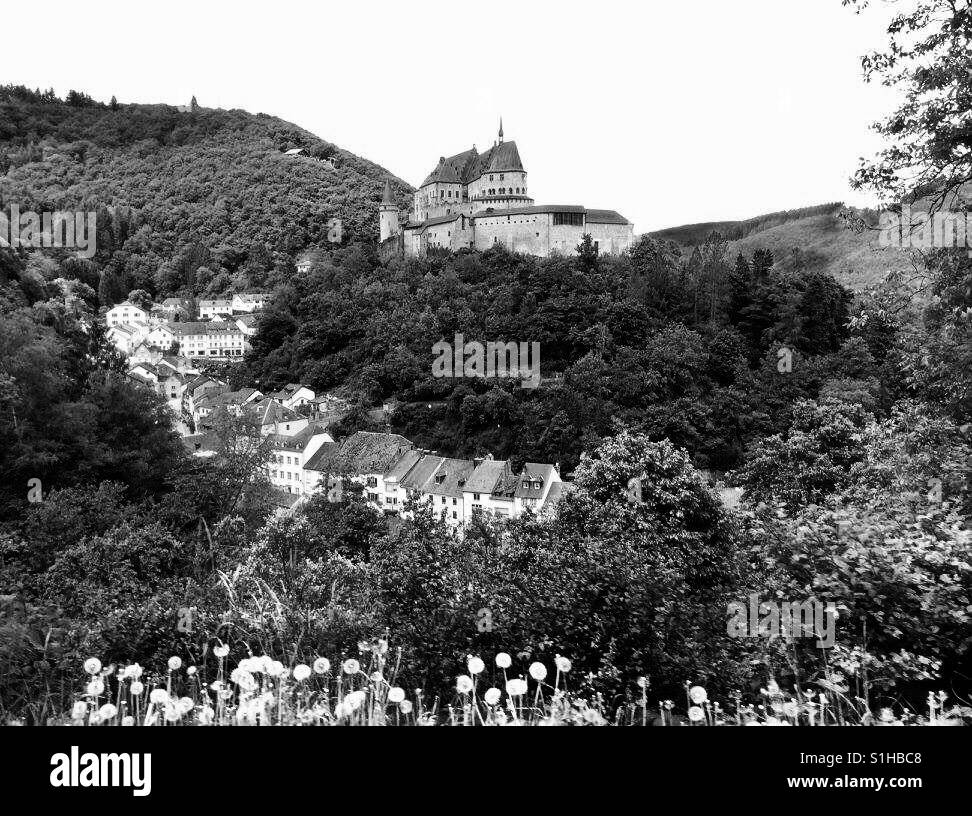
x=233 y=401
x=126 y=337
x=490 y=489
x=247 y=324
x=366 y=458
x=318 y=467
x=293 y=395
x=275 y=418
x=175 y=310
x=126 y=312
x=249 y=301
x=208 y=307
x=533 y=487
x=196 y=389
x=145 y=353
x=209 y=340
x=444 y=489
x=289 y=453
x=162 y=336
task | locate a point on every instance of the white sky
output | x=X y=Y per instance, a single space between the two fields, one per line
x=669 y=111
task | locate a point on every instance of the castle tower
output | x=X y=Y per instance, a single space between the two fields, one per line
x=387 y=214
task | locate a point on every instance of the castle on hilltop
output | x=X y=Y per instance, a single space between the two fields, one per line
x=478 y=200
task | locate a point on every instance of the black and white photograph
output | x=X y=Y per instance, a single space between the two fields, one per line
x=485 y=365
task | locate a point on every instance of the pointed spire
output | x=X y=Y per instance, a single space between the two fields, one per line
x=387 y=197
x=501 y=131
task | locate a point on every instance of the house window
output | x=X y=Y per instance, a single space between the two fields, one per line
x=476 y=496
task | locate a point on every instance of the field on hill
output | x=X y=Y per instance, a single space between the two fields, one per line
x=811 y=238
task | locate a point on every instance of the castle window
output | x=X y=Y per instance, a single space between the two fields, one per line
x=502 y=176
x=490 y=178
x=568 y=219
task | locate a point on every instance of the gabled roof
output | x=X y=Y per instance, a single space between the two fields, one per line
x=469 y=165
x=499 y=158
x=424 y=469
x=204 y=327
x=431 y=222
x=322 y=457
x=401 y=468
x=532 y=473
x=492 y=476
x=201 y=381
x=368 y=452
x=270 y=411
x=289 y=390
x=298 y=441
x=456 y=473
x=452 y=170
x=227 y=398
x=605 y=217
x=126 y=303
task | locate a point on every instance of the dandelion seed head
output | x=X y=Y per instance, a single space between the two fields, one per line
x=301 y=672
x=503 y=660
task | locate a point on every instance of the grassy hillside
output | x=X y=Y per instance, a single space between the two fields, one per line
x=212 y=177
x=811 y=238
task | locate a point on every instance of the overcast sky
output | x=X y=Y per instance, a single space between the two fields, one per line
x=671 y=112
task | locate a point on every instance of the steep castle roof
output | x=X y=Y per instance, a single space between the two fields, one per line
x=469 y=165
